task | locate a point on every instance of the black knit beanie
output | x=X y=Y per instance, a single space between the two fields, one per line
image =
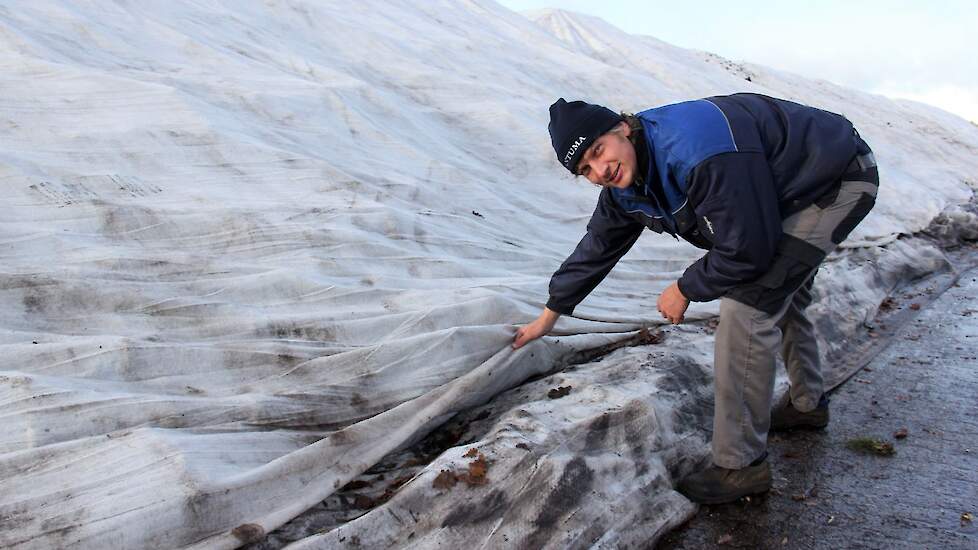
x=575 y=125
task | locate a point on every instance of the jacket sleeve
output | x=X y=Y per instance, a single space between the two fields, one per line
x=734 y=198
x=610 y=234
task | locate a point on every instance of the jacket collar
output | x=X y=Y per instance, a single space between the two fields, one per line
x=643 y=158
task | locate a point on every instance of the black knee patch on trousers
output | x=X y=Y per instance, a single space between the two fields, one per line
x=852 y=219
x=792 y=265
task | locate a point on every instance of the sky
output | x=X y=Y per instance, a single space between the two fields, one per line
x=926 y=51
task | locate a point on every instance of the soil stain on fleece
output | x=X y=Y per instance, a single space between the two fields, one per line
x=574 y=483
x=687 y=376
x=489 y=509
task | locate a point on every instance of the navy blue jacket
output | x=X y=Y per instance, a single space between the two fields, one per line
x=721 y=172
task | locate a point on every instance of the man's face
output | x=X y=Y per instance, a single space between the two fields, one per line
x=610 y=160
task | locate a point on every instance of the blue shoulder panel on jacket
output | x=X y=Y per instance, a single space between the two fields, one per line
x=681 y=136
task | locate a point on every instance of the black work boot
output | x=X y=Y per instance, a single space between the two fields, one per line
x=785 y=417
x=716 y=485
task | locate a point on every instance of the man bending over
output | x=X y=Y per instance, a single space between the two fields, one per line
x=768 y=188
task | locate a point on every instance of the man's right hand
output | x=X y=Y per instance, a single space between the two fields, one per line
x=539 y=327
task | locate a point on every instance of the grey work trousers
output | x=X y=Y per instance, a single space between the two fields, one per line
x=771 y=310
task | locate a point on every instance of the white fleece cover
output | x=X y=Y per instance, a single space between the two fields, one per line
x=248 y=249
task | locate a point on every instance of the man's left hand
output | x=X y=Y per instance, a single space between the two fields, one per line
x=672 y=304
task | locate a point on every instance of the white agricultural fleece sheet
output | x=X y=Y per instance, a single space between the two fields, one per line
x=248 y=249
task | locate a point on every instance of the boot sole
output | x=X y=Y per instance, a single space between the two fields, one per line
x=728 y=499
x=811 y=426
x=815 y=420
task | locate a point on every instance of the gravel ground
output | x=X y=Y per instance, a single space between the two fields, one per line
x=924 y=385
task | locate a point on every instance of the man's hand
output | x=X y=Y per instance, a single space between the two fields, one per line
x=672 y=304
x=542 y=325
